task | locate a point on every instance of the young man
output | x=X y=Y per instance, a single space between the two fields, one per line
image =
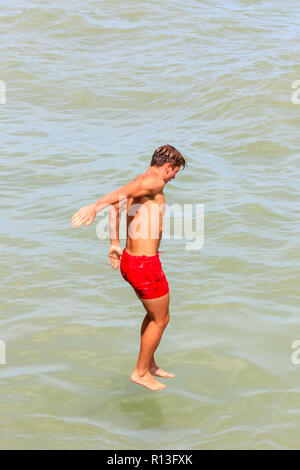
x=139 y=261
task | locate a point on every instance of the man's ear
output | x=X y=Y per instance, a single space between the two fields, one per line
x=168 y=166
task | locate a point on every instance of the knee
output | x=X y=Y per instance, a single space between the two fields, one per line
x=164 y=320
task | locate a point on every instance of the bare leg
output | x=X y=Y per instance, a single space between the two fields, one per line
x=154 y=368
x=158 y=311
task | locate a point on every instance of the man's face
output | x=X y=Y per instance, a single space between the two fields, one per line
x=171 y=173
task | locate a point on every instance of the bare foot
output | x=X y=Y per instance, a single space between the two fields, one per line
x=155 y=370
x=147 y=381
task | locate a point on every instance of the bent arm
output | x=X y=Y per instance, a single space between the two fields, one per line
x=115 y=250
x=114 y=221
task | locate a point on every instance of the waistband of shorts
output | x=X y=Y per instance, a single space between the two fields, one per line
x=141 y=256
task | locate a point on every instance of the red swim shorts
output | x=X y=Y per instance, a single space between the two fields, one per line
x=144 y=274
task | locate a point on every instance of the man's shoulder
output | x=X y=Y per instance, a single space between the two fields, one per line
x=145 y=184
x=153 y=183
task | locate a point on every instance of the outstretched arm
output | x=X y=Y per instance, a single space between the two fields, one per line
x=136 y=188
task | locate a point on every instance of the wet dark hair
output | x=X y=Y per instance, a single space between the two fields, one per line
x=168 y=154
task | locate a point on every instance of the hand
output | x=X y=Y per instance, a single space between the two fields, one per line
x=114 y=256
x=85 y=215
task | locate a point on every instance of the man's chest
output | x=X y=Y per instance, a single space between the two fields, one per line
x=154 y=205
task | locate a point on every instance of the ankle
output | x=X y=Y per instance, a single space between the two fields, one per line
x=141 y=372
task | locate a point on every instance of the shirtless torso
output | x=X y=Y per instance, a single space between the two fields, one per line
x=145 y=223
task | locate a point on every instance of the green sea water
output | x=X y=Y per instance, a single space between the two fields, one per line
x=91 y=90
